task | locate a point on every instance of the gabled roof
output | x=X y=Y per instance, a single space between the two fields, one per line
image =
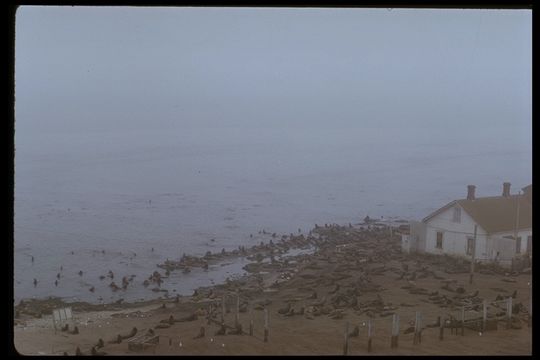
x=496 y=213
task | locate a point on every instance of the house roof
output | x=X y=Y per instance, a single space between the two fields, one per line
x=496 y=213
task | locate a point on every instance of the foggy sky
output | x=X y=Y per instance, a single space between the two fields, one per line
x=118 y=69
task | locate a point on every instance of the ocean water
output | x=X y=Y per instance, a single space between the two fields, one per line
x=174 y=191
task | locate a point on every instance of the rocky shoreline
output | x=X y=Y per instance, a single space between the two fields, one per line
x=353 y=272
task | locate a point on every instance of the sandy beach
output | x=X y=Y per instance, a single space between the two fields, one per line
x=354 y=275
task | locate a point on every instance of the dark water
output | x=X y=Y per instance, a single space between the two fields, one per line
x=175 y=191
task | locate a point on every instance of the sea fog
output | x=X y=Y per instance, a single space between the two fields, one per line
x=203 y=189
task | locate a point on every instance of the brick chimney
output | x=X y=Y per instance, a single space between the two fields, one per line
x=470 y=192
x=506 y=189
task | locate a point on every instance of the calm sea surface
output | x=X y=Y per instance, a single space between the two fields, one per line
x=175 y=191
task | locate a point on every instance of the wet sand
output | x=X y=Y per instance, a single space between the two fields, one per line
x=356 y=274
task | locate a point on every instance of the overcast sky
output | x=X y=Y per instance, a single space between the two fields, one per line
x=107 y=69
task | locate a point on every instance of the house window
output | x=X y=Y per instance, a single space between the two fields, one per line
x=457 y=214
x=518 y=245
x=470 y=244
x=529 y=244
x=439 y=240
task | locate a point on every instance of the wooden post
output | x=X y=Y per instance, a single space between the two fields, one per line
x=251 y=322
x=265 y=325
x=346 y=345
x=223 y=309
x=509 y=312
x=370 y=333
x=416 y=339
x=530 y=305
x=484 y=315
x=441 y=329
x=395 y=331
x=419 y=327
x=473 y=256
x=237 y=319
x=463 y=321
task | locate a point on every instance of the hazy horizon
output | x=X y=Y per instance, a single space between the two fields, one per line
x=231 y=120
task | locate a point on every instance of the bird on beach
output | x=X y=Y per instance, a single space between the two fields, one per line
x=80 y=272
x=61 y=268
x=35 y=282
x=55 y=282
x=32 y=259
x=92 y=289
x=58 y=276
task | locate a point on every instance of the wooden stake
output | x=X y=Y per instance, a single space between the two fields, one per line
x=237 y=319
x=473 y=255
x=265 y=325
x=441 y=329
x=463 y=321
x=370 y=330
x=509 y=312
x=484 y=315
x=416 y=327
x=223 y=309
x=395 y=331
x=346 y=345
x=251 y=322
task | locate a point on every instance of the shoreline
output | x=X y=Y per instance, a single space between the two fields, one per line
x=353 y=274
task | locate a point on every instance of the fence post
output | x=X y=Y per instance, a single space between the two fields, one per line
x=395 y=331
x=251 y=321
x=419 y=327
x=530 y=305
x=346 y=345
x=237 y=319
x=484 y=315
x=509 y=312
x=265 y=325
x=463 y=321
x=441 y=328
x=223 y=309
x=369 y=331
x=415 y=338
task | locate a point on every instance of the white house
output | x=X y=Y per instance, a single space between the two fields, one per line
x=503 y=227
